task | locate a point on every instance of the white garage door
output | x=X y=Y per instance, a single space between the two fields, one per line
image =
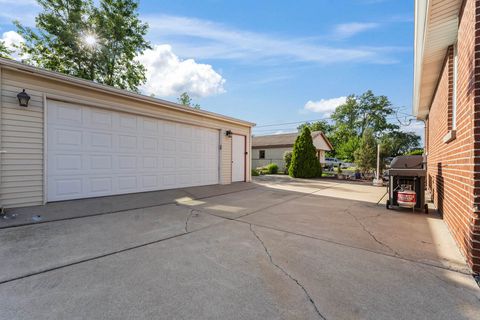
x=94 y=152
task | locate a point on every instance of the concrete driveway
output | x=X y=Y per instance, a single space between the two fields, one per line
x=278 y=248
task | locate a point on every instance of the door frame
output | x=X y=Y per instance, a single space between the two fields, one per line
x=244 y=159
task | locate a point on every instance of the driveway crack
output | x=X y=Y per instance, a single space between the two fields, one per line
x=359 y=221
x=287 y=274
x=192 y=211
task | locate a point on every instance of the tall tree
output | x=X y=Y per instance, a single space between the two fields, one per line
x=395 y=143
x=304 y=163
x=96 y=43
x=121 y=35
x=185 y=100
x=366 y=153
x=365 y=111
x=354 y=117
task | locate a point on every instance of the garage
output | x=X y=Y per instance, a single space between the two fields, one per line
x=94 y=152
x=77 y=139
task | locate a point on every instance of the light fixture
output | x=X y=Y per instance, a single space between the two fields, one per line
x=23 y=98
x=228 y=133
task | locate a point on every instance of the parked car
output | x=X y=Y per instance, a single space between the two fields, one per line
x=331 y=163
x=346 y=164
x=387 y=161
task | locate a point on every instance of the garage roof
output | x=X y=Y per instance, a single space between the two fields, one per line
x=436 y=25
x=15 y=65
x=285 y=140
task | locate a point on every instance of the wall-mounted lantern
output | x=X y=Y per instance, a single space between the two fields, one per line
x=23 y=98
x=228 y=133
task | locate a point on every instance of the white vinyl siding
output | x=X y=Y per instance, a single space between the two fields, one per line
x=21 y=166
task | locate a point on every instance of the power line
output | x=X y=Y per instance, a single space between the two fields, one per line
x=286 y=123
x=281 y=124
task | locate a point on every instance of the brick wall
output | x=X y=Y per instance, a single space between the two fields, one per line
x=454 y=167
x=472 y=93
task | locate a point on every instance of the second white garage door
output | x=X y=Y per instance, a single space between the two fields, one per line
x=94 y=152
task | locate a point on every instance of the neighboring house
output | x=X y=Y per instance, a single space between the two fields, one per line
x=79 y=139
x=447 y=98
x=271 y=148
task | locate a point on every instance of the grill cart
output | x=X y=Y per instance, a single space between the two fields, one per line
x=406 y=185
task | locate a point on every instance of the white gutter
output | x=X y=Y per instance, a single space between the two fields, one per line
x=421 y=14
x=15 y=65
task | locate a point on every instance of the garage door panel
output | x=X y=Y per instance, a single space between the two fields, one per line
x=94 y=152
x=127 y=183
x=100 y=185
x=97 y=118
x=67 y=187
x=169 y=129
x=67 y=114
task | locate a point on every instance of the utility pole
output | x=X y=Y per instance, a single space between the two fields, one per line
x=378 y=181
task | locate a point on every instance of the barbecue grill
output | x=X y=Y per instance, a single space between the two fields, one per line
x=406 y=185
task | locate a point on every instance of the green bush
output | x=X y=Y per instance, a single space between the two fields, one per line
x=272 y=168
x=287 y=157
x=304 y=163
x=255 y=173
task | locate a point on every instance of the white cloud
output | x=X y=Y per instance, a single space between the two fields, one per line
x=12 y=38
x=324 y=106
x=347 y=30
x=168 y=75
x=209 y=40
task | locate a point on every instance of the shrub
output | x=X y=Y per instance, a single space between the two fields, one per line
x=287 y=157
x=304 y=162
x=272 y=168
x=255 y=173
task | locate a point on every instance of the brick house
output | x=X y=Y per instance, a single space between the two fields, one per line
x=447 y=98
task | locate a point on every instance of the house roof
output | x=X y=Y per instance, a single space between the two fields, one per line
x=436 y=26
x=18 y=66
x=285 y=140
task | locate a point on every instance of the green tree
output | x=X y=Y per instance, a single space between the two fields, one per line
x=345 y=150
x=395 y=143
x=320 y=125
x=4 y=51
x=354 y=117
x=304 y=163
x=185 y=100
x=359 y=113
x=366 y=153
x=98 y=43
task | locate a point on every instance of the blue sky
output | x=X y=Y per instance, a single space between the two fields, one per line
x=271 y=62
